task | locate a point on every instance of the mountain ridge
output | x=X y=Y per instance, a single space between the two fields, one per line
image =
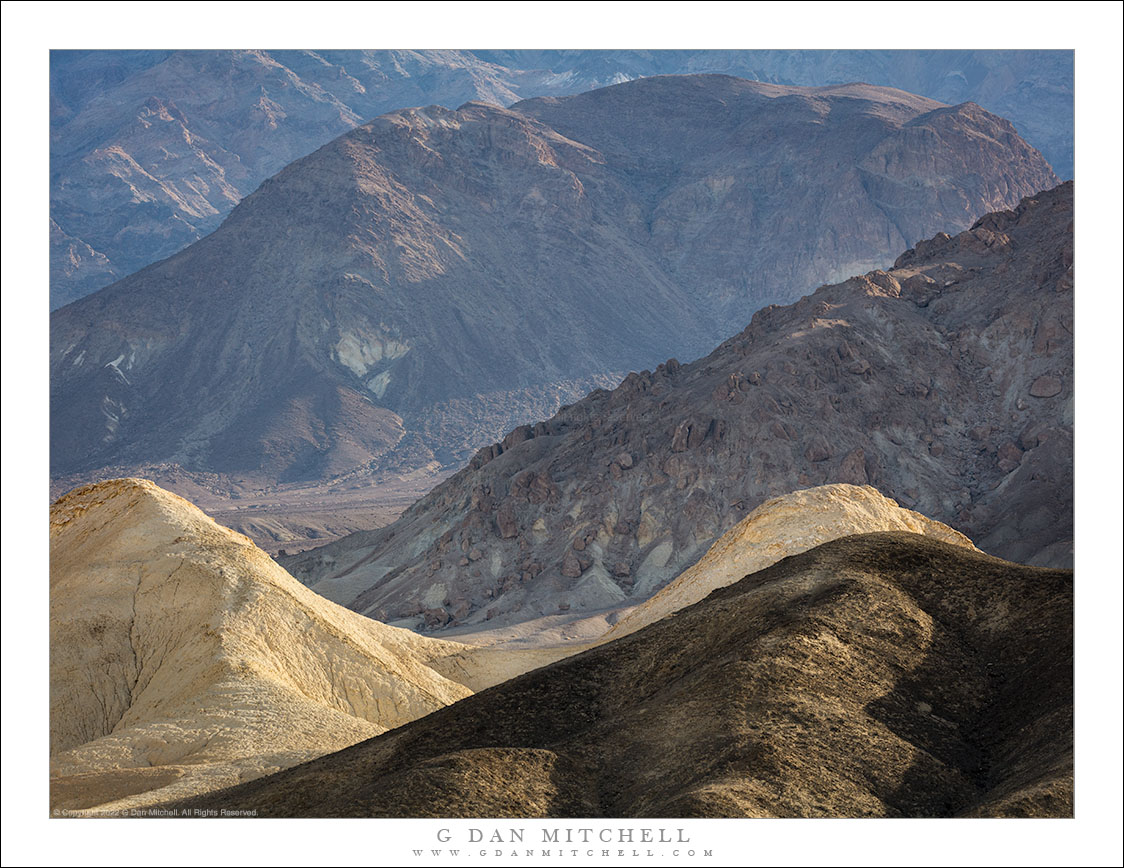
x=138 y=135
x=432 y=278
x=876 y=675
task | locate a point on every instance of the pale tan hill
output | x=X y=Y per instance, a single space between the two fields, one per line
x=184 y=659
x=777 y=529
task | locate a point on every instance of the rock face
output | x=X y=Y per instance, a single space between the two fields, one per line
x=184 y=659
x=919 y=381
x=1034 y=89
x=77 y=266
x=876 y=675
x=434 y=278
x=150 y=150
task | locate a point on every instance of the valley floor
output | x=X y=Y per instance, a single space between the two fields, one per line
x=295 y=517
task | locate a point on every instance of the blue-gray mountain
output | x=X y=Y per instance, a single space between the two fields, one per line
x=150 y=150
x=433 y=278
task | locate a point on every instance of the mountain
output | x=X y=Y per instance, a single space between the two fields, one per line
x=945 y=382
x=184 y=659
x=151 y=149
x=876 y=675
x=1033 y=89
x=434 y=278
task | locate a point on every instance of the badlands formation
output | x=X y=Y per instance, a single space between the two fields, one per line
x=184 y=659
x=779 y=528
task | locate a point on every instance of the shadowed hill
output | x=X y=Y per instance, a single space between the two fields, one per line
x=877 y=675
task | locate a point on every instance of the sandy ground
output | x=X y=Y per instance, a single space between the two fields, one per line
x=178 y=644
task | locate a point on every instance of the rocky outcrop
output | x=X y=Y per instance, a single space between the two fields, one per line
x=76 y=268
x=779 y=528
x=888 y=675
x=434 y=277
x=918 y=381
x=150 y=150
x=183 y=659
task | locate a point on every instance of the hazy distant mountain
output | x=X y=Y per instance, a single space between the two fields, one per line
x=433 y=278
x=877 y=675
x=1032 y=89
x=946 y=383
x=151 y=149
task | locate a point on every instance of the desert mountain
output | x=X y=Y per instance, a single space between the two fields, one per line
x=435 y=277
x=150 y=150
x=184 y=659
x=1033 y=89
x=876 y=675
x=945 y=382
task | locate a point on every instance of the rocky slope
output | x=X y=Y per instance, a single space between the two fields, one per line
x=151 y=149
x=1033 y=89
x=945 y=382
x=779 y=528
x=184 y=659
x=876 y=675
x=434 y=278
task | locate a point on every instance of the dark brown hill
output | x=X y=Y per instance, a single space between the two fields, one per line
x=433 y=278
x=946 y=383
x=876 y=675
